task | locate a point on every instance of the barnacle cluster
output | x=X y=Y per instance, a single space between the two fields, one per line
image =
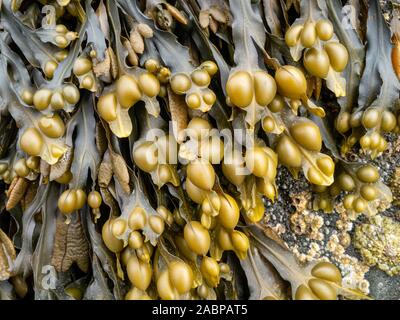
x=378 y=242
x=147 y=139
x=395 y=184
x=302 y=220
x=307 y=223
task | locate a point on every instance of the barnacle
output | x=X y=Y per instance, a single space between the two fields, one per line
x=394 y=185
x=190 y=149
x=378 y=242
